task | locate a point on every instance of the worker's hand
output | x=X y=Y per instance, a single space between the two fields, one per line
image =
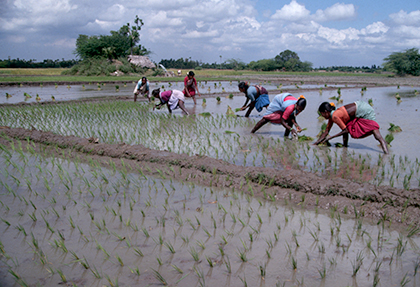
x=298 y=129
x=243 y=108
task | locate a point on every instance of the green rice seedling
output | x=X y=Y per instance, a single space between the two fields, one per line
x=210 y=262
x=194 y=254
x=294 y=263
x=405 y=280
x=170 y=247
x=138 y=251
x=323 y=272
x=207 y=232
x=228 y=265
x=20 y=228
x=242 y=255
x=357 y=263
x=62 y=276
x=400 y=246
x=179 y=270
x=146 y=233
x=159 y=260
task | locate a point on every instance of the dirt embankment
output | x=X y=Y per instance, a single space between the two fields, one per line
x=290 y=186
x=358 y=80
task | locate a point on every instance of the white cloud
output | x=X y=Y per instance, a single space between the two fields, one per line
x=16 y=39
x=205 y=29
x=410 y=19
x=408 y=31
x=377 y=27
x=291 y=12
x=62 y=43
x=337 y=12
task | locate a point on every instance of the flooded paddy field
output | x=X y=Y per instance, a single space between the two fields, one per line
x=78 y=221
x=48 y=93
x=211 y=132
x=109 y=192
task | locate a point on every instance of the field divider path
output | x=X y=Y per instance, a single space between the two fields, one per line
x=291 y=186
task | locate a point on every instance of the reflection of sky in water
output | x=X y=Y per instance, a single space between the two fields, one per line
x=387 y=110
x=98 y=210
x=72 y=92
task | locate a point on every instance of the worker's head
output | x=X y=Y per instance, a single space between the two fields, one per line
x=243 y=86
x=325 y=109
x=191 y=74
x=144 y=80
x=155 y=93
x=300 y=104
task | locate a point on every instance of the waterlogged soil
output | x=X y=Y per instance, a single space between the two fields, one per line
x=393 y=204
x=265 y=220
x=295 y=186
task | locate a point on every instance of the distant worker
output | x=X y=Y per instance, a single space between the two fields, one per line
x=173 y=99
x=258 y=96
x=179 y=73
x=357 y=119
x=142 y=88
x=190 y=86
x=283 y=110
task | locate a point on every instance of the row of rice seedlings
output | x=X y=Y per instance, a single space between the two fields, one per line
x=209 y=137
x=115 y=203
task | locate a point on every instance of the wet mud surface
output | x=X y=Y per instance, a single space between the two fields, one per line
x=291 y=186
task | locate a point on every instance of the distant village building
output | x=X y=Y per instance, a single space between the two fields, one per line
x=142 y=61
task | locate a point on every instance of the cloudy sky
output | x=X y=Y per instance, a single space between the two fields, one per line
x=324 y=32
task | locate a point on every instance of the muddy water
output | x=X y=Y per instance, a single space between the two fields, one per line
x=94 y=90
x=393 y=169
x=125 y=227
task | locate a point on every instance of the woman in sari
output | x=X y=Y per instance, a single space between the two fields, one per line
x=357 y=119
x=283 y=110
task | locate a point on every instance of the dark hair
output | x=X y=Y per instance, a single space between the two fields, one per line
x=243 y=85
x=301 y=103
x=155 y=92
x=191 y=73
x=144 y=78
x=326 y=107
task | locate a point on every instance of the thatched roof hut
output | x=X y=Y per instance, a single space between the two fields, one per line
x=141 y=61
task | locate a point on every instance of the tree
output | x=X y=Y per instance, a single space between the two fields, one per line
x=286 y=56
x=119 y=44
x=289 y=61
x=404 y=63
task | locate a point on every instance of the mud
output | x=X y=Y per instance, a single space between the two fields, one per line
x=291 y=186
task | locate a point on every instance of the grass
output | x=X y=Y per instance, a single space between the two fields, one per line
x=52 y=76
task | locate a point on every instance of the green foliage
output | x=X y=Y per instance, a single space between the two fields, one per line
x=394 y=128
x=97 y=67
x=404 y=63
x=119 y=44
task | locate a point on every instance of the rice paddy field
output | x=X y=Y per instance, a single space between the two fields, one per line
x=76 y=218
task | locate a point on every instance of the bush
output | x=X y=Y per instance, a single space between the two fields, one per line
x=101 y=66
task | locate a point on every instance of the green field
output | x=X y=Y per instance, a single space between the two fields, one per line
x=53 y=75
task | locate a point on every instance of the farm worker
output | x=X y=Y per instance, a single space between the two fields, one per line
x=142 y=88
x=357 y=119
x=258 y=96
x=179 y=72
x=190 y=86
x=283 y=110
x=172 y=98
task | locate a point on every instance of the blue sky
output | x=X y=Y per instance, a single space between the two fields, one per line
x=325 y=32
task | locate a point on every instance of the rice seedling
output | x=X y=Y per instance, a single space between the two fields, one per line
x=357 y=263
x=177 y=269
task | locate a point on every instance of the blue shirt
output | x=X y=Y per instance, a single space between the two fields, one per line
x=140 y=83
x=251 y=93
